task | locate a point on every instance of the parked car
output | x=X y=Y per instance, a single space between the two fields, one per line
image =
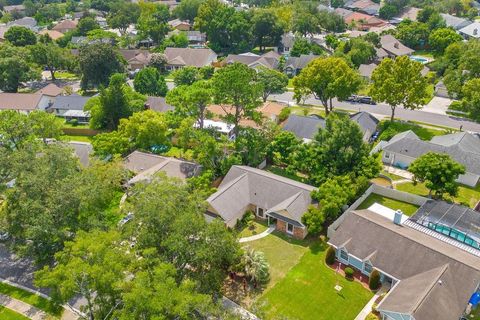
x=366 y=100
x=352 y=98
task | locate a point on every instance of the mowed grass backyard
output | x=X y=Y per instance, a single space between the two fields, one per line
x=308 y=291
x=7 y=314
x=466 y=195
x=407 y=208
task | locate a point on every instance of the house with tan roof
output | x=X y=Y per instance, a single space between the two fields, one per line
x=65 y=26
x=53 y=34
x=51 y=90
x=136 y=59
x=182 y=57
x=280 y=201
x=391 y=47
x=268 y=60
x=179 y=25
x=24 y=102
x=361 y=21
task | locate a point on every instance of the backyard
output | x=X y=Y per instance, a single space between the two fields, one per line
x=407 y=208
x=7 y=314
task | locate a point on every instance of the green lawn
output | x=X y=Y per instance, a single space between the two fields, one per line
x=76 y=138
x=392 y=176
x=7 y=314
x=466 y=195
x=407 y=208
x=430 y=92
x=305 y=111
x=389 y=129
x=254 y=228
x=307 y=292
x=282 y=172
x=32 y=299
x=65 y=75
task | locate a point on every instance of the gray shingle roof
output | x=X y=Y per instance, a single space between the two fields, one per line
x=244 y=186
x=471 y=30
x=158 y=104
x=300 y=62
x=455 y=22
x=404 y=253
x=190 y=57
x=367 y=122
x=463 y=147
x=390 y=44
x=253 y=60
x=72 y=102
x=304 y=127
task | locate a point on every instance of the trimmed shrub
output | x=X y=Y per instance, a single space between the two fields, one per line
x=374 y=281
x=284 y=114
x=330 y=256
x=349 y=273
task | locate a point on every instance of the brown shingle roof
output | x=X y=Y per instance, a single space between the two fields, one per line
x=65 y=24
x=19 y=101
x=51 y=90
x=53 y=34
x=190 y=57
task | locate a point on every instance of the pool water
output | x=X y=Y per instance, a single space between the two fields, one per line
x=419 y=59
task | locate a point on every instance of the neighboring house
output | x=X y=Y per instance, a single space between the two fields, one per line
x=294 y=65
x=83 y=151
x=102 y=22
x=361 y=21
x=271 y=110
x=20 y=8
x=179 y=25
x=219 y=126
x=365 y=6
x=53 y=34
x=463 y=147
x=158 y=104
x=304 y=127
x=146 y=165
x=51 y=90
x=27 y=22
x=471 y=31
x=24 y=102
x=3 y=29
x=268 y=60
x=65 y=26
x=366 y=70
x=181 y=57
x=280 y=201
x=195 y=38
x=286 y=44
x=456 y=23
x=430 y=262
x=367 y=123
x=410 y=13
x=63 y=104
x=391 y=47
x=136 y=59
x=218 y=113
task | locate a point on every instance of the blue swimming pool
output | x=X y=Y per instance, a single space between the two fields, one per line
x=422 y=60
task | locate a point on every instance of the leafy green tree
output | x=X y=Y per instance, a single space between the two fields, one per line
x=49 y=12
x=305 y=22
x=440 y=39
x=266 y=30
x=235 y=85
x=45 y=125
x=51 y=56
x=438 y=171
x=256 y=266
x=388 y=11
x=92 y=266
x=15 y=68
x=187 y=10
x=313 y=219
x=192 y=101
x=326 y=78
x=331 y=21
x=158 y=61
x=15 y=130
x=272 y=81
x=97 y=63
x=227 y=29
x=20 y=36
x=358 y=51
x=283 y=145
x=399 y=82
x=149 y=81
x=122 y=15
x=251 y=144
x=152 y=22
x=111 y=143
x=86 y=24
x=169 y=218
x=145 y=129
x=185 y=76
x=300 y=46
x=413 y=34
x=471 y=97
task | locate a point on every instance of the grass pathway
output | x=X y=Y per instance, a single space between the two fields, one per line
x=22 y=308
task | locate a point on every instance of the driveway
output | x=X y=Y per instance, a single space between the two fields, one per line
x=438 y=105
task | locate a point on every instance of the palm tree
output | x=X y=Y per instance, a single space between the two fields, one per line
x=256 y=266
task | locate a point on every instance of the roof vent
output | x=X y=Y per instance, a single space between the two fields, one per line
x=475 y=31
x=397 y=218
x=396 y=45
x=440 y=282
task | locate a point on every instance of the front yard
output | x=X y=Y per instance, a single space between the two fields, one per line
x=407 y=208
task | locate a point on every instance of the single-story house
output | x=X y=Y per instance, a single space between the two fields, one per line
x=304 y=127
x=182 y=57
x=219 y=126
x=20 y=8
x=65 y=26
x=361 y=21
x=410 y=13
x=51 y=90
x=145 y=165
x=136 y=59
x=367 y=123
x=179 y=25
x=294 y=65
x=195 y=37
x=463 y=147
x=454 y=22
x=286 y=43
x=268 y=60
x=365 y=6
x=392 y=48
x=429 y=274
x=53 y=34
x=63 y=104
x=27 y=22
x=366 y=70
x=24 y=102
x=471 y=31
x=83 y=151
x=279 y=200
x=158 y=104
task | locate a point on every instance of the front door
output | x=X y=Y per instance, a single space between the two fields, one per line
x=271 y=220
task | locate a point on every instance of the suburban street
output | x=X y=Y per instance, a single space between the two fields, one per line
x=383 y=110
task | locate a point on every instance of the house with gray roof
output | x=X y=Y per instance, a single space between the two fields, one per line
x=428 y=275
x=279 y=200
x=62 y=104
x=462 y=147
x=145 y=165
x=182 y=57
x=286 y=43
x=268 y=60
x=294 y=65
x=456 y=23
x=367 y=123
x=471 y=31
x=304 y=127
x=392 y=48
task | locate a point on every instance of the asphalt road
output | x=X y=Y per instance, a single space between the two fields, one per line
x=383 y=110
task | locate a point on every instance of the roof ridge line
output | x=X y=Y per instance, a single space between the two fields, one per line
x=430 y=288
x=228 y=186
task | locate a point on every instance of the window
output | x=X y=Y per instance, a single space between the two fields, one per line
x=367 y=267
x=260 y=212
x=344 y=255
x=289 y=228
x=387 y=155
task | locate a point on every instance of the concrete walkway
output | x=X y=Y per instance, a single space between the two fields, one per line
x=438 y=105
x=368 y=307
x=399 y=172
x=258 y=236
x=237 y=309
x=22 y=308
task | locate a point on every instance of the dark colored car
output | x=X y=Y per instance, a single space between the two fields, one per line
x=366 y=100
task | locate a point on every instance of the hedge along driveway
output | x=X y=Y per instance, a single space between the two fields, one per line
x=307 y=292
